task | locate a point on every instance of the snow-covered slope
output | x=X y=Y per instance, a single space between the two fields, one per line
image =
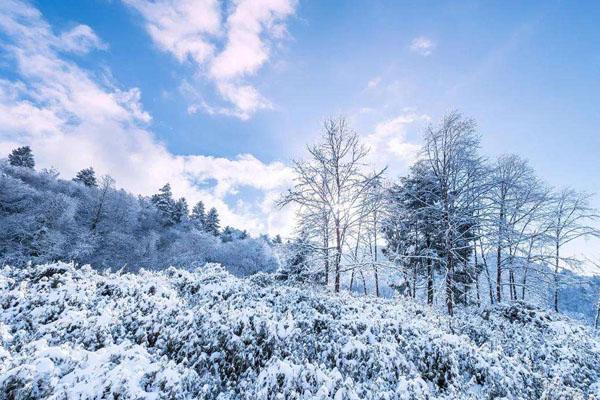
x=74 y=333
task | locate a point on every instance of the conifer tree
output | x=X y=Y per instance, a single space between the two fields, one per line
x=22 y=157
x=212 y=222
x=87 y=176
x=164 y=202
x=198 y=216
x=180 y=211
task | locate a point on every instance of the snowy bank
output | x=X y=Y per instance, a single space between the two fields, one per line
x=68 y=332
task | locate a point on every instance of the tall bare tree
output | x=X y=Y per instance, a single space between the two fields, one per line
x=571 y=218
x=451 y=154
x=332 y=185
x=516 y=198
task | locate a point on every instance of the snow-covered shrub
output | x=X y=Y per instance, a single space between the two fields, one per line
x=68 y=332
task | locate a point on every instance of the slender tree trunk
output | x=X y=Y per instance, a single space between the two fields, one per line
x=487 y=273
x=512 y=287
x=351 y=280
x=338 y=256
x=364 y=281
x=526 y=271
x=449 y=285
x=499 y=254
x=556 y=270
x=414 y=282
x=375 y=255
x=429 y=283
x=326 y=251
x=429 y=273
x=476 y=268
x=499 y=274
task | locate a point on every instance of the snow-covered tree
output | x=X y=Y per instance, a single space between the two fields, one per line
x=330 y=186
x=212 y=224
x=570 y=218
x=516 y=200
x=198 y=216
x=87 y=176
x=411 y=227
x=457 y=172
x=22 y=157
x=106 y=185
x=164 y=202
x=180 y=211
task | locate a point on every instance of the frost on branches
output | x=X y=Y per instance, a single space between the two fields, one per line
x=68 y=332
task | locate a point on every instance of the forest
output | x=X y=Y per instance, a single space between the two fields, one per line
x=457 y=230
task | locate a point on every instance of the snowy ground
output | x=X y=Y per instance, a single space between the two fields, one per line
x=75 y=333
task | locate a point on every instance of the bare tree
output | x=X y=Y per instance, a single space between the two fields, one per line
x=571 y=218
x=451 y=154
x=106 y=184
x=516 y=200
x=332 y=185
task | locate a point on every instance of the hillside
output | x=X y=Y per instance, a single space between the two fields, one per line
x=70 y=332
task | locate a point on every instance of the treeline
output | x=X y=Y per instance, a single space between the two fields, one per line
x=458 y=227
x=89 y=221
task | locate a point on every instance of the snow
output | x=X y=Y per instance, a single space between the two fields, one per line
x=70 y=332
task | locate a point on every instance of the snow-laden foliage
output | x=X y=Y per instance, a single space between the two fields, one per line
x=68 y=332
x=44 y=219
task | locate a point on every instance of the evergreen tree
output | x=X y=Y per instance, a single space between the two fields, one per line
x=180 y=211
x=22 y=157
x=298 y=265
x=212 y=222
x=86 y=176
x=164 y=202
x=199 y=215
x=412 y=231
x=228 y=234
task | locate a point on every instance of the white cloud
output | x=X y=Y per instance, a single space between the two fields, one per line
x=81 y=39
x=181 y=27
x=422 y=45
x=193 y=30
x=73 y=121
x=389 y=145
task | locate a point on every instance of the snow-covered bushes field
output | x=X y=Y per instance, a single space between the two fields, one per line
x=74 y=333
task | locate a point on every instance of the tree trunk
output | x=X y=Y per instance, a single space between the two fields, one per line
x=326 y=254
x=512 y=287
x=499 y=255
x=449 y=285
x=375 y=255
x=414 y=282
x=338 y=256
x=499 y=274
x=376 y=282
x=429 y=274
x=525 y=272
x=364 y=282
x=487 y=273
x=429 y=282
x=556 y=269
x=476 y=269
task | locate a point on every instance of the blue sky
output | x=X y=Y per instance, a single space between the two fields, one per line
x=183 y=92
